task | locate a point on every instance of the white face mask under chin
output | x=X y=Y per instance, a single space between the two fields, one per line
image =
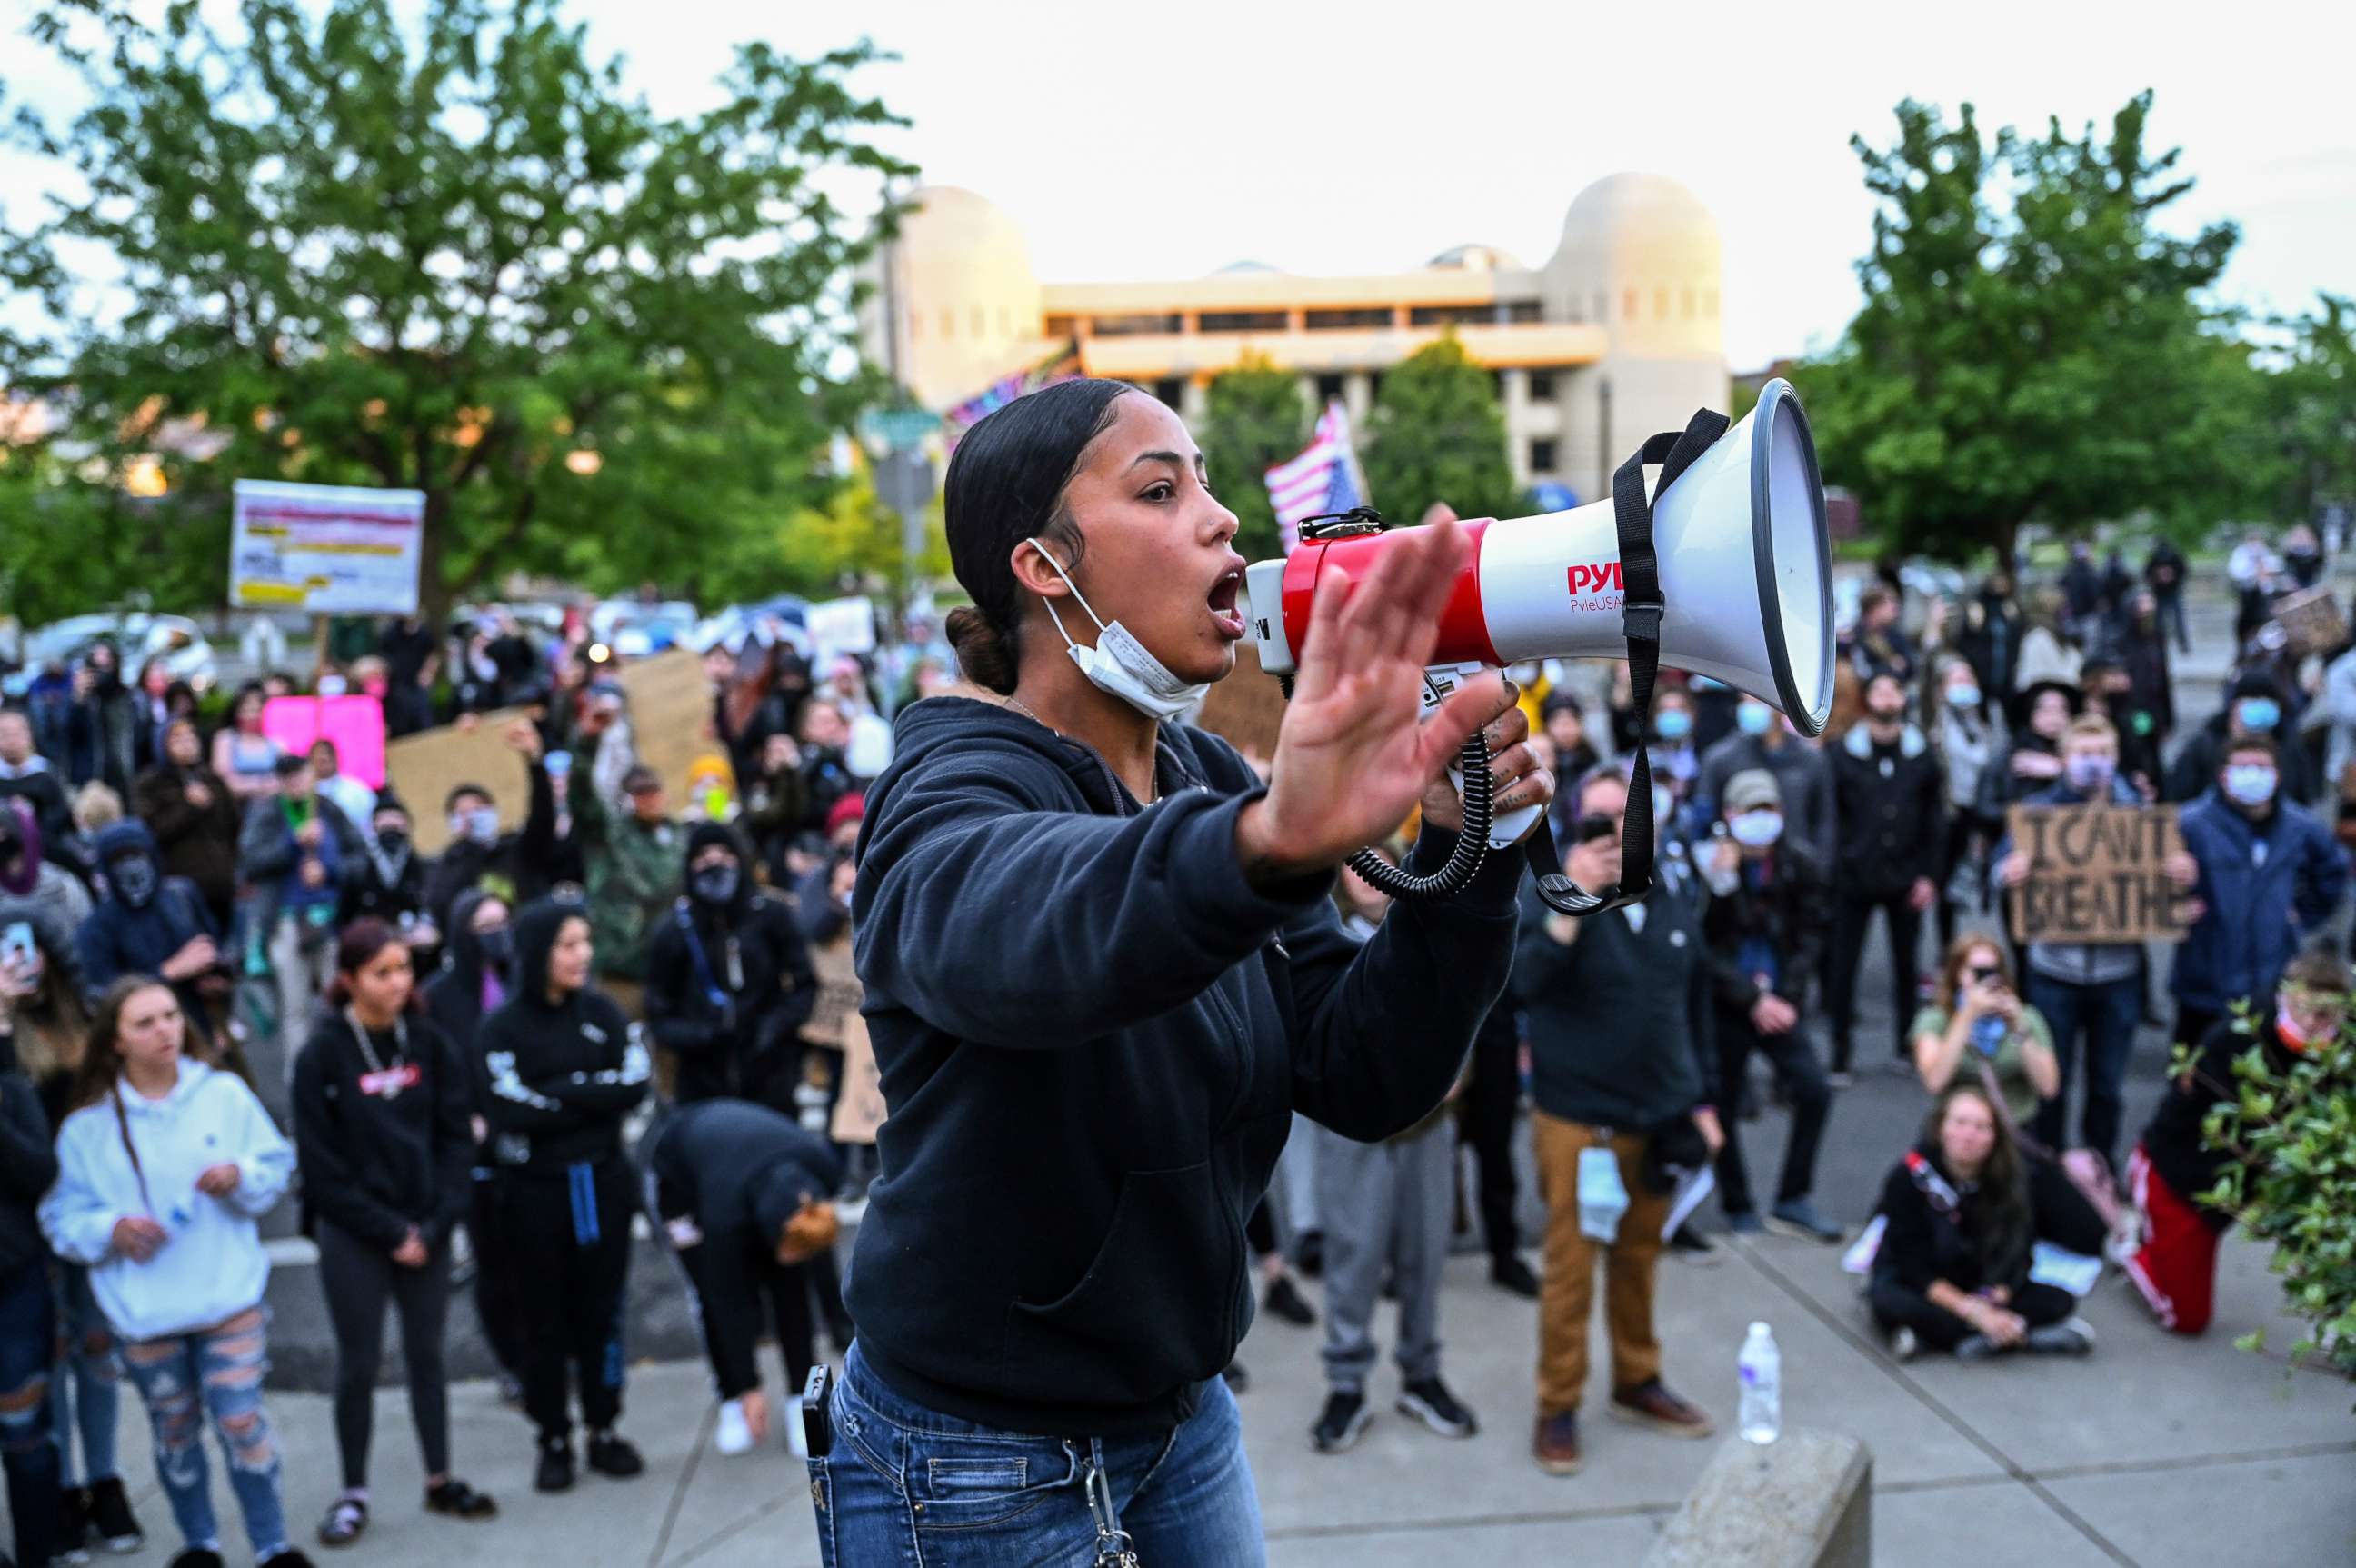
x=1119 y=664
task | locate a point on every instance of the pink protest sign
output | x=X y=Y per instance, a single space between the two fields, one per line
x=355 y=724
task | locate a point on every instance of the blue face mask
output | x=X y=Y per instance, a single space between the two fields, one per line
x=1754 y=718
x=1963 y=696
x=1673 y=724
x=2090 y=775
x=2250 y=783
x=2258 y=713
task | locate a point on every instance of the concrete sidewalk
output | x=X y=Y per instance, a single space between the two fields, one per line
x=2157 y=1453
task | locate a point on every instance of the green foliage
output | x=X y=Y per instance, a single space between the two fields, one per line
x=1440 y=435
x=851 y=545
x=455 y=258
x=2311 y=407
x=1257 y=419
x=2293 y=1184
x=2032 y=344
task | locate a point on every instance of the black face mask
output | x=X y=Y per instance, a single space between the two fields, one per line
x=133 y=880
x=715 y=884
x=499 y=947
x=394 y=842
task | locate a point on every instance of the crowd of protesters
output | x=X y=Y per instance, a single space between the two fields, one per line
x=233 y=973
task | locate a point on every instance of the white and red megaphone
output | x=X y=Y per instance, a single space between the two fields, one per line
x=1744 y=564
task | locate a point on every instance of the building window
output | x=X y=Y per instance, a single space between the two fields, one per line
x=1245 y=320
x=1374 y=385
x=1542 y=456
x=1134 y=326
x=1524 y=311
x=1170 y=390
x=1328 y=389
x=1451 y=314
x=1342 y=320
x=1497 y=385
x=1062 y=325
x=1628 y=304
x=1541 y=386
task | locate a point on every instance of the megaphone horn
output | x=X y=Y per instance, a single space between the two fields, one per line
x=1726 y=575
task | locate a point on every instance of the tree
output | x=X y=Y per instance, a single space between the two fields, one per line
x=2311 y=403
x=1257 y=419
x=1439 y=435
x=2032 y=345
x=603 y=343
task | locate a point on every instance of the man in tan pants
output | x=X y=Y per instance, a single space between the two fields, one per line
x=1622 y=1059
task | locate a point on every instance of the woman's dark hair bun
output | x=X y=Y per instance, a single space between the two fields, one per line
x=983 y=652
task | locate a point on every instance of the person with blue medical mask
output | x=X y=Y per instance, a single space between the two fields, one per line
x=2256 y=706
x=1762 y=737
x=1675 y=761
x=1967 y=740
x=2269 y=876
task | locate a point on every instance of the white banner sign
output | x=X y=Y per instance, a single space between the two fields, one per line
x=842 y=625
x=325 y=549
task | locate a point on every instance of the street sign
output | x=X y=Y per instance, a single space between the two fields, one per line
x=898 y=428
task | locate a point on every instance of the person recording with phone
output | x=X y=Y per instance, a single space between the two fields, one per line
x=1976 y=1026
x=1102 y=971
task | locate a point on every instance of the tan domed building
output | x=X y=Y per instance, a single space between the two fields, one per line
x=1615 y=337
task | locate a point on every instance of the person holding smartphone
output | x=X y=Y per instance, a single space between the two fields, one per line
x=1976 y=1018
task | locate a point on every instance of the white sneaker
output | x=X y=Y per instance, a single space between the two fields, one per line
x=796 y=1438
x=734 y=1435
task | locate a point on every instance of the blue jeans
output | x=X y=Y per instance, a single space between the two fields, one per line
x=27 y=1335
x=216 y=1371
x=2107 y=1016
x=906 y=1486
x=86 y=1383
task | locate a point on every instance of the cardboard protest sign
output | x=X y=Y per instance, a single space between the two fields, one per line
x=2312 y=619
x=859 y=1109
x=423 y=769
x=2097 y=874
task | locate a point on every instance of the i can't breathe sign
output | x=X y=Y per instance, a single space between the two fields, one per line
x=2097 y=874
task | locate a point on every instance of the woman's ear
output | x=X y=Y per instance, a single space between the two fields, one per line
x=1040 y=568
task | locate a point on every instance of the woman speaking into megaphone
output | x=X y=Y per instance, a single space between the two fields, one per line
x=1102 y=972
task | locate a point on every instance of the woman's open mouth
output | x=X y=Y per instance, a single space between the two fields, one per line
x=1223 y=609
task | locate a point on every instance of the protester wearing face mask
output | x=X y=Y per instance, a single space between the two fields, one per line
x=389 y=883
x=1967 y=753
x=1890 y=802
x=1677 y=764
x=2089 y=992
x=2254 y=707
x=2270 y=877
x=729 y=982
x=1101 y=971
x=1762 y=738
x=149 y=924
x=1769 y=909
x=477 y=976
x=2173 y=1166
x=478 y=853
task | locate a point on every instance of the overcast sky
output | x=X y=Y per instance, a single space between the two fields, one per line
x=1144 y=141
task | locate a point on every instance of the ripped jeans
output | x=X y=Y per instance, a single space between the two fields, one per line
x=216 y=1370
x=28 y=1314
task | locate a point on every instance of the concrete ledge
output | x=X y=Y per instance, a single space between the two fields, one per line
x=1803 y=1501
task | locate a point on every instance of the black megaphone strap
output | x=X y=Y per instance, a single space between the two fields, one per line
x=1640 y=574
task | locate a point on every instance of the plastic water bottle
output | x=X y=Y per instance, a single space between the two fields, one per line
x=1762 y=1366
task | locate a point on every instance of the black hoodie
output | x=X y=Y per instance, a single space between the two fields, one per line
x=454 y=995
x=28 y=1166
x=1093 y=1032
x=558 y=1078
x=383 y=1130
x=738 y=1172
x=729 y=986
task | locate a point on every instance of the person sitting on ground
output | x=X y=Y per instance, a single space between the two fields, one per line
x=1952 y=1269
x=747 y=1199
x=2173 y=1166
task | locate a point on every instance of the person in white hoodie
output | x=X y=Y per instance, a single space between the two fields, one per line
x=162 y=1170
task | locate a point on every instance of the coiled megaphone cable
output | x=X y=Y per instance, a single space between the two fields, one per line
x=1472 y=839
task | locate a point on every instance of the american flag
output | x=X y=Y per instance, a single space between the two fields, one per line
x=1323 y=478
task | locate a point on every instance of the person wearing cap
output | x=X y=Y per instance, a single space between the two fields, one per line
x=1764 y=738
x=746 y=1199
x=2271 y=876
x=296 y=851
x=2255 y=706
x=1765 y=928
x=729 y=982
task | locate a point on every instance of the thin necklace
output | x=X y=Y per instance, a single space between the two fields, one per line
x=1152 y=798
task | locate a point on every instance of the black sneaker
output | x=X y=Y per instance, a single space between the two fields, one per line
x=1284 y=1299
x=614 y=1456
x=1690 y=1246
x=1429 y=1401
x=1512 y=1276
x=555 y=1472
x=112 y=1523
x=196 y=1557
x=289 y=1558
x=1341 y=1424
x=454 y=1498
x=1309 y=1254
x=74 y=1534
